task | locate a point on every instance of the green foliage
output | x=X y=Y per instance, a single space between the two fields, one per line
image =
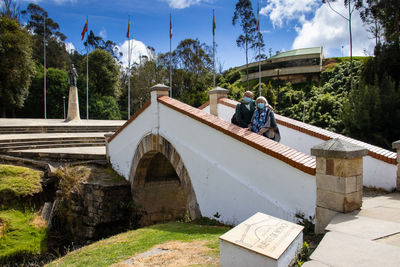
x=304 y=254
x=103 y=74
x=119 y=247
x=267 y=92
x=104 y=108
x=56 y=88
x=20 y=181
x=16 y=65
x=22 y=239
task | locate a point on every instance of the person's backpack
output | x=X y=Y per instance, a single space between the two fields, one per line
x=234 y=120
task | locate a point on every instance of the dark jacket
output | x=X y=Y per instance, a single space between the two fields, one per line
x=243 y=115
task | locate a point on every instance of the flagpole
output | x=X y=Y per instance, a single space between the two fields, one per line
x=213 y=49
x=170 y=54
x=129 y=69
x=259 y=49
x=44 y=64
x=87 y=69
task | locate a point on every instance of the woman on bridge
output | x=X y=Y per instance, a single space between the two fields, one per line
x=263 y=121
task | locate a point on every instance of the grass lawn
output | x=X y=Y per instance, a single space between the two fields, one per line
x=122 y=246
x=22 y=237
x=20 y=181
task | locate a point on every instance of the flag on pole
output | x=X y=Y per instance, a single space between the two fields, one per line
x=170 y=26
x=128 y=33
x=214 y=25
x=85 y=29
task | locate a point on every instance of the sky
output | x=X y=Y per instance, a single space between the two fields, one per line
x=285 y=25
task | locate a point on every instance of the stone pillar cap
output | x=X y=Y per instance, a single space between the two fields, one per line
x=159 y=87
x=338 y=148
x=218 y=90
x=396 y=145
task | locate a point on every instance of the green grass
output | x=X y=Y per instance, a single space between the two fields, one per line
x=20 y=181
x=122 y=246
x=21 y=238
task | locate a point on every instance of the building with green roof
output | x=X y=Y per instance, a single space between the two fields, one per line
x=296 y=66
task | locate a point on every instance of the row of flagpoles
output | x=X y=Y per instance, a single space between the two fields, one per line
x=85 y=31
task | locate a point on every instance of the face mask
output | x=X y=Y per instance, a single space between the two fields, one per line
x=247 y=99
x=260 y=105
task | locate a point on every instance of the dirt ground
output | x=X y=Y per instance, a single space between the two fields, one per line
x=174 y=254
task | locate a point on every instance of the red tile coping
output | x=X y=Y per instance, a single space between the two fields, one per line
x=303 y=162
x=227 y=102
x=204 y=105
x=373 y=151
x=134 y=116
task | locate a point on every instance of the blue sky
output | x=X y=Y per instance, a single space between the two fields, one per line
x=286 y=24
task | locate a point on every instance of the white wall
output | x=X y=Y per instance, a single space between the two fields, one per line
x=234 y=179
x=122 y=148
x=225 y=112
x=377 y=173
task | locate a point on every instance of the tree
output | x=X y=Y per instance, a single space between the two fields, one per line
x=194 y=56
x=244 y=13
x=57 y=88
x=10 y=8
x=350 y=5
x=103 y=74
x=16 y=65
x=56 y=53
x=369 y=14
x=97 y=42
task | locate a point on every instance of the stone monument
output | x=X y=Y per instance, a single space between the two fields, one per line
x=73 y=102
x=261 y=240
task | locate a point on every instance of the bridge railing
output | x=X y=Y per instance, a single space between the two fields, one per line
x=379 y=165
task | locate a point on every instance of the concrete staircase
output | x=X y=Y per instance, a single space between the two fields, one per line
x=57 y=129
x=50 y=142
x=367 y=237
x=55 y=139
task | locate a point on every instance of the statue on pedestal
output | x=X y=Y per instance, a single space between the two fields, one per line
x=73 y=102
x=72 y=76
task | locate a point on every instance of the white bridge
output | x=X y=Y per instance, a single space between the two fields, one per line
x=179 y=158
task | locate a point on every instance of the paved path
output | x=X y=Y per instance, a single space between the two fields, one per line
x=369 y=237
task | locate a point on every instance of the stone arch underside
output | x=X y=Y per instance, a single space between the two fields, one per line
x=160 y=182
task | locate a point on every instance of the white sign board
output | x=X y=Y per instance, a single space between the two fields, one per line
x=261 y=239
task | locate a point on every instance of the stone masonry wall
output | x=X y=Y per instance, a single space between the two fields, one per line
x=98 y=210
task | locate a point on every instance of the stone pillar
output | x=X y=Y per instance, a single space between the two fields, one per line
x=73 y=104
x=216 y=94
x=157 y=91
x=339 y=179
x=396 y=145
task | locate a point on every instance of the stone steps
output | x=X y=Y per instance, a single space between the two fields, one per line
x=83 y=143
x=57 y=154
x=23 y=141
x=56 y=129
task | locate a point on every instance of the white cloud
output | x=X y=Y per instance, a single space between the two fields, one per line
x=103 y=33
x=329 y=30
x=138 y=49
x=179 y=4
x=280 y=11
x=69 y=47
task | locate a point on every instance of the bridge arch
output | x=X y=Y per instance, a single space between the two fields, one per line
x=160 y=183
